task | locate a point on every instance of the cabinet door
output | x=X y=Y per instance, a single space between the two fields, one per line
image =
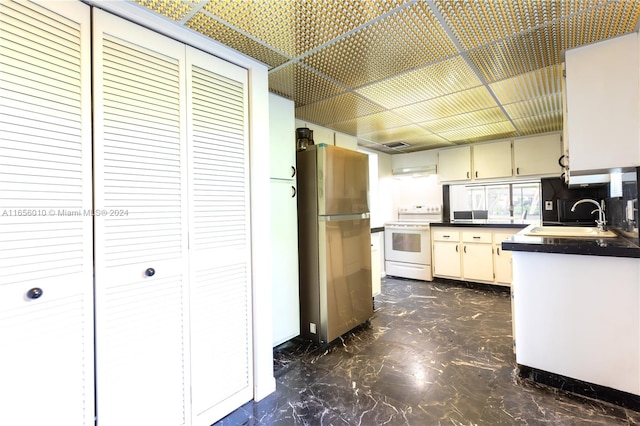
x=282 y=137
x=219 y=237
x=492 y=160
x=141 y=241
x=284 y=261
x=47 y=368
x=603 y=112
x=537 y=155
x=454 y=164
x=503 y=269
x=477 y=262
x=446 y=259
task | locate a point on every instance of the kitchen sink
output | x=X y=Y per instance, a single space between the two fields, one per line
x=569 y=231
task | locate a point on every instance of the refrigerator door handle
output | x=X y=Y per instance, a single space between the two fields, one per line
x=355 y=216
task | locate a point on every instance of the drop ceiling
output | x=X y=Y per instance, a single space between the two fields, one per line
x=429 y=74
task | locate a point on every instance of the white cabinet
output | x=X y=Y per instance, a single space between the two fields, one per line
x=477 y=256
x=284 y=221
x=537 y=155
x=472 y=254
x=282 y=137
x=46 y=232
x=492 y=160
x=376 y=246
x=284 y=264
x=502 y=259
x=603 y=111
x=446 y=253
x=454 y=164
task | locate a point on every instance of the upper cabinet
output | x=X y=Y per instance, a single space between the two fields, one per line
x=492 y=160
x=602 y=96
x=454 y=164
x=282 y=137
x=538 y=155
x=346 y=141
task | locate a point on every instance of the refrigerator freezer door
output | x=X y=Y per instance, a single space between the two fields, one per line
x=343 y=181
x=345 y=273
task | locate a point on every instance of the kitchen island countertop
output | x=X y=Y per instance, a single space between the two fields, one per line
x=614 y=247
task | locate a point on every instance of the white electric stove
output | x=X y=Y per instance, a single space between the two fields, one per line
x=407 y=242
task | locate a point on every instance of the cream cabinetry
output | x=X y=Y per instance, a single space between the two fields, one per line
x=471 y=254
x=538 y=155
x=346 y=141
x=446 y=253
x=603 y=104
x=376 y=247
x=502 y=259
x=477 y=255
x=284 y=221
x=492 y=160
x=454 y=164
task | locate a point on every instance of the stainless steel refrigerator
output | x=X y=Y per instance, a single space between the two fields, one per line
x=334 y=241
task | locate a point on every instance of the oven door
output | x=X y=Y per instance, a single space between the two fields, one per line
x=407 y=244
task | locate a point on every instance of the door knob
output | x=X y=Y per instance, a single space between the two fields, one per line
x=34 y=293
x=150 y=272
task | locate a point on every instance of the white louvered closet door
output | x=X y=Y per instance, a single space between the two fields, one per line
x=142 y=315
x=221 y=350
x=46 y=271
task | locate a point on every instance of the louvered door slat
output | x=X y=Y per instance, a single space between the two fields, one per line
x=141 y=318
x=219 y=237
x=45 y=172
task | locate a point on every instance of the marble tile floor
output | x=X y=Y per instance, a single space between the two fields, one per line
x=435 y=353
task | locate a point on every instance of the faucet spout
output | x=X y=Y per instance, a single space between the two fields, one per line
x=601 y=222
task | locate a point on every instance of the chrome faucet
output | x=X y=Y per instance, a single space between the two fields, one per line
x=601 y=222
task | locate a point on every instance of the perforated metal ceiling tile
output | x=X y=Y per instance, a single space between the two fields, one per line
x=295 y=27
x=175 y=10
x=492 y=131
x=438 y=79
x=296 y=82
x=542 y=82
x=217 y=31
x=398 y=134
x=470 y=119
x=336 y=109
x=462 y=102
x=370 y=123
x=402 y=41
x=548 y=122
x=535 y=107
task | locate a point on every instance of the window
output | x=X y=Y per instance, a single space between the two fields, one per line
x=503 y=201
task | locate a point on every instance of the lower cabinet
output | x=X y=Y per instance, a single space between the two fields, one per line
x=472 y=254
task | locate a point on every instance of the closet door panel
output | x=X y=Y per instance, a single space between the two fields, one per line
x=46 y=249
x=142 y=362
x=221 y=321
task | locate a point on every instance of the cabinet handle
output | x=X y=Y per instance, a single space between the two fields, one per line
x=34 y=293
x=498 y=251
x=517 y=170
x=476 y=238
x=445 y=236
x=150 y=272
x=476 y=174
x=293 y=191
x=293 y=171
x=464 y=249
x=562 y=157
x=457 y=248
x=467 y=175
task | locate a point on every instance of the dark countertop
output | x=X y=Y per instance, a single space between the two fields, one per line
x=483 y=223
x=614 y=247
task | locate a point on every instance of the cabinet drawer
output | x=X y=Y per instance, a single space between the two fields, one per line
x=476 y=237
x=445 y=235
x=499 y=237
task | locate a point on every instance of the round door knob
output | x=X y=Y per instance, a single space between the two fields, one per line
x=34 y=293
x=150 y=272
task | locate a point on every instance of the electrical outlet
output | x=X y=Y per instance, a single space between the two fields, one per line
x=312 y=328
x=548 y=205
